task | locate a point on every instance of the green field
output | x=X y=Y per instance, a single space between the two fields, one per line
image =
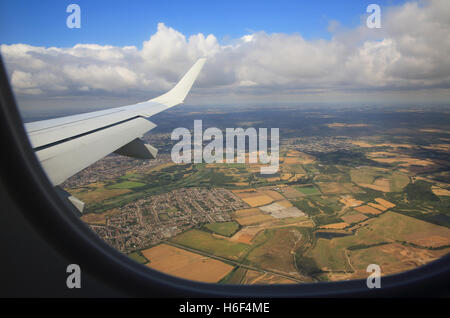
x=328 y=256
x=398 y=181
x=308 y=190
x=223 y=228
x=203 y=241
x=366 y=175
x=137 y=256
x=292 y=168
x=126 y=185
x=276 y=248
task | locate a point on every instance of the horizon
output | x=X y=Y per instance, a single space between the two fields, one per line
x=287 y=53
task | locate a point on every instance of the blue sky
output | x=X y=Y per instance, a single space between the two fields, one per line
x=258 y=52
x=121 y=23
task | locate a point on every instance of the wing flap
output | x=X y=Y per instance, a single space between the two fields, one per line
x=66 y=159
x=66 y=145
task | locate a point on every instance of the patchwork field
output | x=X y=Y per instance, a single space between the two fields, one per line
x=349 y=192
x=181 y=263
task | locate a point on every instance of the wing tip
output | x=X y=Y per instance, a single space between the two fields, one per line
x=179 y=92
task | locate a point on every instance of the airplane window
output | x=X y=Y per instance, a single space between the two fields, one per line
x=281 y=148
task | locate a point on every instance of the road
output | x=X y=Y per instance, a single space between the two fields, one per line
x=226 y=260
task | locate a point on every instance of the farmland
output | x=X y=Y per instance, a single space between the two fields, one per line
x=181 y=263
x=347 y=194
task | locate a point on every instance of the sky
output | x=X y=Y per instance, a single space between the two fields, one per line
x=258 y=52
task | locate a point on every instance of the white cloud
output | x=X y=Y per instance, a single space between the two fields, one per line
x=409 y=52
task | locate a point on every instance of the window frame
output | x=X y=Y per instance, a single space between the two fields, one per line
x=70 y=236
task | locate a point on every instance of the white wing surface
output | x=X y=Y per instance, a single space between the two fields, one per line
x=66 y=145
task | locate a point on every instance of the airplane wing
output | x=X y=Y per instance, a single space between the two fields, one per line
x=66 y=145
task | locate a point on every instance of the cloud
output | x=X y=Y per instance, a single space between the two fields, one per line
x=410 y=52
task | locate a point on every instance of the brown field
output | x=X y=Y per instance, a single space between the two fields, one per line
x=439 y=191
x=405 y=161
x=432 y=241
x=382 y=188
x=378 y=206
x=354 y=218
x=247 y=234
x=306 y=159
x=274 y=195
x=364 y=144
x=331 y=187
x=350 y=201
x=181 y=263
x=241 y=184
x=440 y=147
x=392 y=258
x=259 y=200
x=246 y=212
x=293 y=153
x=385 y=203
x=337 y=187
x=251 y=216
x=246 y=193
x=285 y=176
x=292 y=160
x=383 y=183
x=335 y=226
x=98 y=218
x=367 y=210
x=290 y=192
x=285 y=203
x=254 y=219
